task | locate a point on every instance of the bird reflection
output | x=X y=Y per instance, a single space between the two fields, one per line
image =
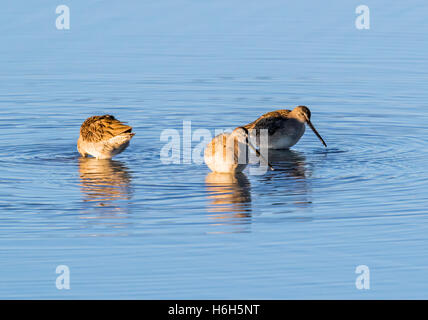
x=104 y=183
x=229 y=197
x=289 y=181
x=290 y=162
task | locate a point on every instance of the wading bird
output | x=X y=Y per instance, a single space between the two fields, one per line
x=228 y=152
x=103 y=137
x=285 y=127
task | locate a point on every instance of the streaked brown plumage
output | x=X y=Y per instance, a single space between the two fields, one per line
x=228 y=152
x=103 y=137
x=284 y=127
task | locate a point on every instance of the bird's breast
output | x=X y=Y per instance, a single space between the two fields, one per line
x=286 y=136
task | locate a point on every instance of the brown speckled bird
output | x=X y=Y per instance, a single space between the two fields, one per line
x=228 y=152
x=284 y=127
x=103 y=137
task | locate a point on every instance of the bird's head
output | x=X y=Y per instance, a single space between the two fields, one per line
x=303 y=114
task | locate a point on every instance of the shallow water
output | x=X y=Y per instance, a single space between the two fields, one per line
x=134 y=227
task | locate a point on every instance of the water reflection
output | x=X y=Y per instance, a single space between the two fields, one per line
x=229 y=198
x=105 y=184
x=290 y=182
x=289 y=162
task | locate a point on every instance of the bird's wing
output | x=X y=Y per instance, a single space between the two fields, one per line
x=221 y=145
x=217 y=144
x=272 y=121
x=101 y=128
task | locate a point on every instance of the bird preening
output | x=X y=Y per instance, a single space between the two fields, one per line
x=229 y=152
x=105 y=136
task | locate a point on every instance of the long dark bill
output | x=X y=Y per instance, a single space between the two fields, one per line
x=316 y=132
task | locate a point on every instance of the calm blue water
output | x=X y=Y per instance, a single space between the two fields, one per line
x=134 y=227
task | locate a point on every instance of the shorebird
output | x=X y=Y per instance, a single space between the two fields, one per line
x=228 y=152
x=285 y=127
x=103 y=137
